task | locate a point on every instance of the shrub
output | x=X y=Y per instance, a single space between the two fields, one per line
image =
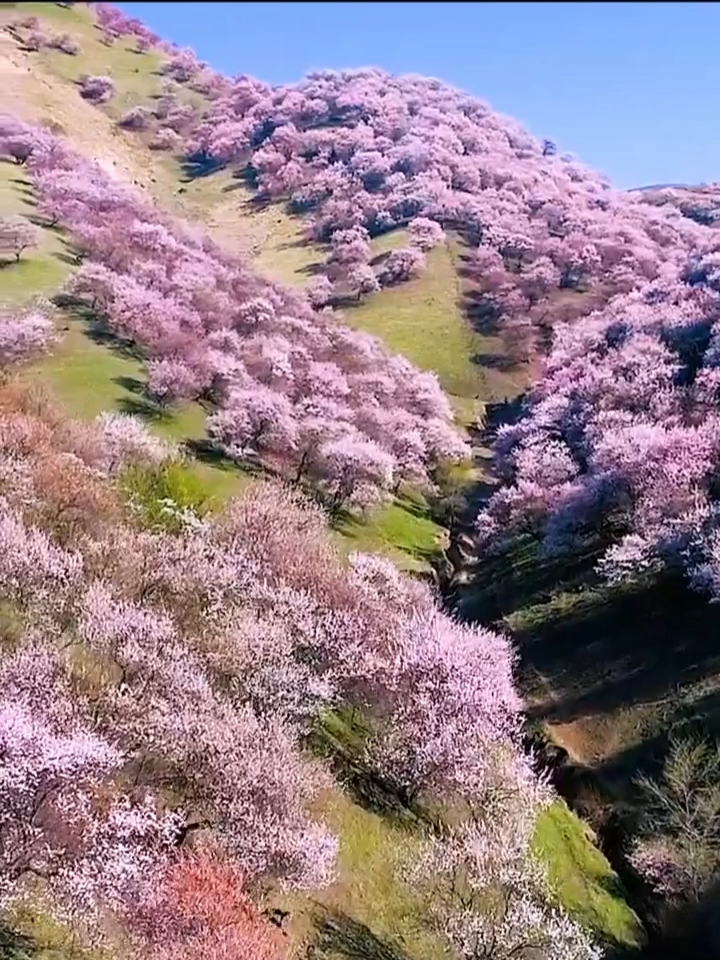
x=65 y=44
x=98 y=89
x=136 y=118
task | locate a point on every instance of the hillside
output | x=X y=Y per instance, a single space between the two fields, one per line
x=355 y=313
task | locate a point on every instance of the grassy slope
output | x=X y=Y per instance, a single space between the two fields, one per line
x=421 y=319
x=582 y=878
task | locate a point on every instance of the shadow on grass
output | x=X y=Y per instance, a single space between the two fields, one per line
x=502 y=362
x=16 y=946
x=66 y=258
x=95 y=328
x=682 y=932
x=339 y=937
x=139 y=404
x=340 y=739
x=196 y=167
x=632 y=647
x=206 y=452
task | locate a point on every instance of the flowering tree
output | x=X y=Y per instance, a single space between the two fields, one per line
x=99 y=89
x=166 y=139
x=136 y=118
x=17 y=234
x=320 y=292
x=424 y=233
x=401 y=264
x=65 y=44
x=35 y=40
x=362 y=279
x=55 y=822
x=489 y=896
x=678 y=851
x=24 y=336
x=198 y=908
x=126 y=439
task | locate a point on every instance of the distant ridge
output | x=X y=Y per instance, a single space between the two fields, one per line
x=667 y=186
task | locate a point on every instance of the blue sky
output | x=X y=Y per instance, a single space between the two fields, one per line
x=632 y=89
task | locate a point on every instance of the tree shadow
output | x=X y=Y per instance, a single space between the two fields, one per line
x=142 y=408
x=96 y=331
x=315 y=269
x=502 y=362
x=257 y=203
x=500 y=413
x=208 y=453
x=139 y=404
x=689 y=931
x=95 y=328
x=638 y=646
x=293 y=244
x=197 y=166
x=340 y=739
x=482 y=313
x=16 y=946
x=66 y=258
x=380 y=258
x=339 y=937
x=233 y=187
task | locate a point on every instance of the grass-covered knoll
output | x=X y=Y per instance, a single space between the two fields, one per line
x=403 y=530
x=582 y=878
x=422 y=319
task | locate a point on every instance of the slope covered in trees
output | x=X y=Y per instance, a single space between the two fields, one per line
x=209 y=711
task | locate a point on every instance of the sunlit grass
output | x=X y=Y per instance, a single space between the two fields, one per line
x=582 y=878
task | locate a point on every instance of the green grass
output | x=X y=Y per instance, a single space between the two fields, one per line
x=402 y=531
x=377 y=916
x=582 y=878
x=40 y=270
x=135 y=75
x=422 y=320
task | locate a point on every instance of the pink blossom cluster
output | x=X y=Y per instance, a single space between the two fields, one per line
x=360 y=150
x=208 y=654
x=24 y=335
x=16 y=235
x=622 y=435
x=64 y=43
x=98 y=89
x=291 y=388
